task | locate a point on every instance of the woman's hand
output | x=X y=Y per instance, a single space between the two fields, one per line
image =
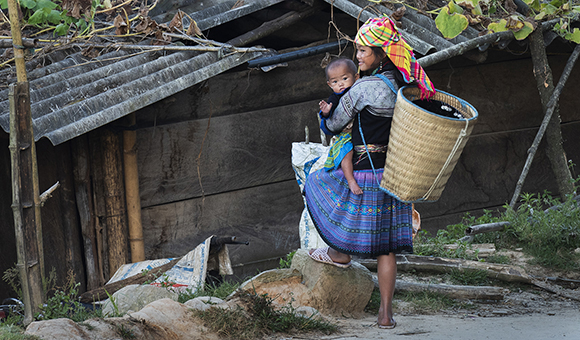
x=325 y=107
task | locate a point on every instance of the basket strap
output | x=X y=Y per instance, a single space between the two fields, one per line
x=460 y=138
x=367 y=150
x=388 y=82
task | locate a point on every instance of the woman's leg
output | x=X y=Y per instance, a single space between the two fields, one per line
x=387 y=274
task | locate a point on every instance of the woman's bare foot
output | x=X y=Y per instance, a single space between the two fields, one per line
x=384 y=320
x=336 y=256
x=354 y=188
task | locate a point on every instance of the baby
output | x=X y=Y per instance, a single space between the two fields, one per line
x=340 y=75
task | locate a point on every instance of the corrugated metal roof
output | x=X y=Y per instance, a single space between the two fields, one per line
x=75 y=95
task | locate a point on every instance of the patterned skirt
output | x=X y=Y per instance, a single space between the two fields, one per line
x=366 y=225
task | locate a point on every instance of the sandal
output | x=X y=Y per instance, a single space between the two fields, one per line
x=321 y=255
x=391 y=326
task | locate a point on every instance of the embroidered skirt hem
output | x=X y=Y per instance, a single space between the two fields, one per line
x=366 y=225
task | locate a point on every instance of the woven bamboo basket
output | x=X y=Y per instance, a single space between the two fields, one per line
x=424 y=147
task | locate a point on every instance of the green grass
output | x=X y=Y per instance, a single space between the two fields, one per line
x=124 y=332
x=221 y=291
x=428 y=302
x=374 y=303
x=257 y=317
x=468 y=277
x=285 y=263
x=14 y=332
x=499 y=259
x=549 y=236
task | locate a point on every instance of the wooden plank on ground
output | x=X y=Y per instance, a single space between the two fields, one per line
x=235 y=152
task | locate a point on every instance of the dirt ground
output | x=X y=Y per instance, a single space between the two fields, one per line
x=527 y=312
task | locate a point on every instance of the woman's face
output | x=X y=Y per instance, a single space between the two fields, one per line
x=367 y=59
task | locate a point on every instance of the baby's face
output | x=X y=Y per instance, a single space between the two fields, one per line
x=340 y=78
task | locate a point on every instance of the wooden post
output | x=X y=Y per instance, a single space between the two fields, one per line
x=132 y=192
x=84 y=201
x=25 y=200
x=115 y=217
x=98 y=192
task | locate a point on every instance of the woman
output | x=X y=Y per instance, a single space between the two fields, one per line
x=372 y=224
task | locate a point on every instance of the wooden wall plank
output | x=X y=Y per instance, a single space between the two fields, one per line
x=267 y=216
x=242 y=91
x=489 y=168
x=237 y=151
x=60 y=228
x=8 y=253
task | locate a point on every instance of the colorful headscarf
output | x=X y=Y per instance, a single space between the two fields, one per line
x=382 y=32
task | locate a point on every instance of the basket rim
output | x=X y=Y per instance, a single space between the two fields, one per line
x=475 y=113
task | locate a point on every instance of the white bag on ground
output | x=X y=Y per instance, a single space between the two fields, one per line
x=306 y=159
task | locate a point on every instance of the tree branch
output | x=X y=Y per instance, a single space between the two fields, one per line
x=549 y=111
x=463 y=47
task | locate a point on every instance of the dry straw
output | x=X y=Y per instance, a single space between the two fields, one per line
x=424 y=147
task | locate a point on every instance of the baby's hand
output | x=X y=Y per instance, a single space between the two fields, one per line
x=325 y=107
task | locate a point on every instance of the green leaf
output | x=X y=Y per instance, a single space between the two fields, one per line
x=574 y=36
x=450 y=25
x=472 y=5
x=30 y=4
x=524 y=31
x=576 y=9
x=81 y=24
x=45 y=4
x=37 y=18
x=535 y=5
x=549 y=9
x=454 y=8
x=4 y=4
x=61 y=29
x=499 y=26
x=540 y=16
x=54 y=17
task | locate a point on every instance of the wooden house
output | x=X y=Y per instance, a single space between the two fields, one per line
x=213 y=137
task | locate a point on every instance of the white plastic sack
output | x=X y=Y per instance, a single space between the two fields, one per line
x=306 y=159
x=190 y=272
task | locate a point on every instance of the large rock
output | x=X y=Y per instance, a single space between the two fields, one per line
x=203 y=303
x=329 y=289
x=333 y=290
x=57 y=329
x=135 y=297
x=284 y=286
x=163 y=319
x=174 y=320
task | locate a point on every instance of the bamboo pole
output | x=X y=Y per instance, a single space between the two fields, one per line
x=17 y=41
x=132 y=192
